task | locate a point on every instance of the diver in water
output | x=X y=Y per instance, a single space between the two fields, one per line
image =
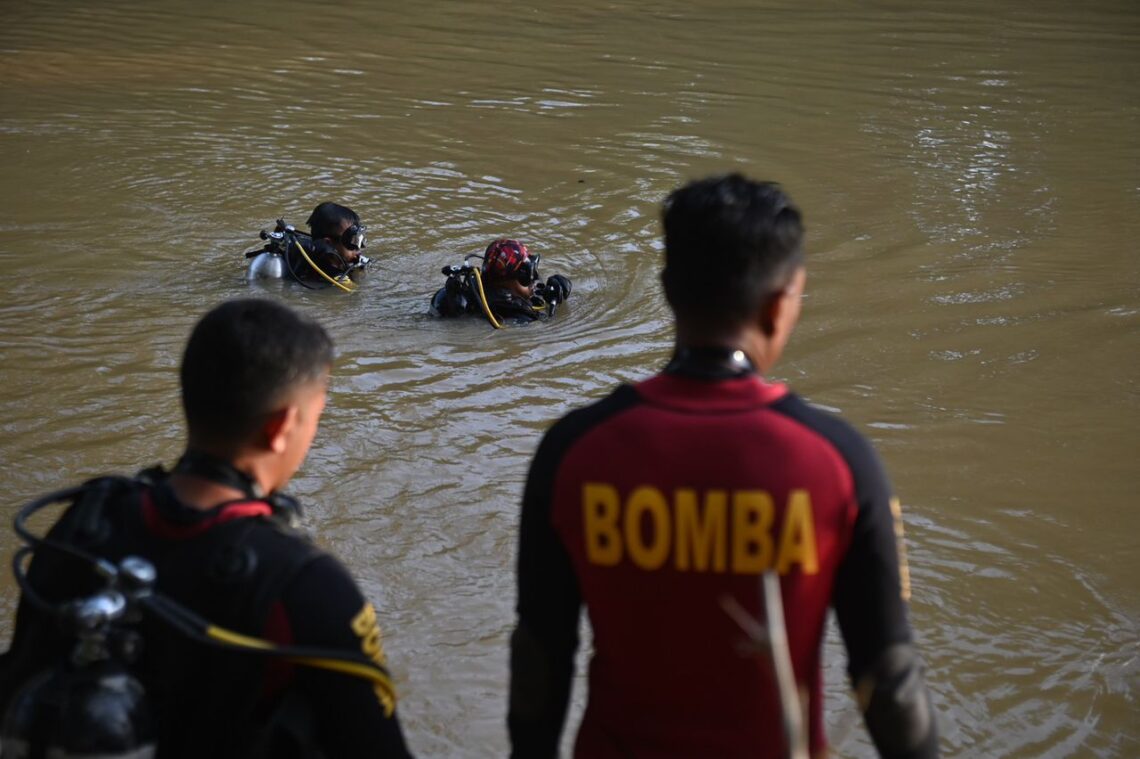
x=330 y=255
x=507 y=286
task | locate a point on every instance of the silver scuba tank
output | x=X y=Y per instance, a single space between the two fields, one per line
x=267 y=265
x=89 y=705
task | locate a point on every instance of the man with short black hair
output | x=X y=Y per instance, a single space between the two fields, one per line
x=220 y=535
x=338 y=239
x=661 y=506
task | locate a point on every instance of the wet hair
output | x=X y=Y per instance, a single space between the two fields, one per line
x=327 y=219
x=730 y=242
x=242 y=360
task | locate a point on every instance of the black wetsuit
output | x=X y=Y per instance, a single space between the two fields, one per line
x=457 y=298
x=508 y=306
x=650 y=507
x=323 y=255
x=243 y=570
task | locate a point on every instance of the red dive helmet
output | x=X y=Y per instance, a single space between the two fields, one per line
x=509 y=259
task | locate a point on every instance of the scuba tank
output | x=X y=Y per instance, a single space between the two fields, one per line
x=90 y=704
x=86 y=691
x=271 y=260
x=278 y=258
x=267 y=265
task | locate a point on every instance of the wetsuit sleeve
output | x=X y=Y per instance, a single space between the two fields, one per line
x=353 y=718
x=546 y=636
x=868 y=596
x=870 y=602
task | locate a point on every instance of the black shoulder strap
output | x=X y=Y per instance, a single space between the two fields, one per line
x=262 y=552
x=232 y=575
x=89 y=521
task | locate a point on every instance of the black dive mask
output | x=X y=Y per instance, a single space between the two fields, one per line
x=353 y=237
x=527 y=273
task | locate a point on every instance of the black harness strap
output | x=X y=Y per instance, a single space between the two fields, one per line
x=232 y=574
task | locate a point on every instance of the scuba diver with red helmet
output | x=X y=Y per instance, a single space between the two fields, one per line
x=507 y=286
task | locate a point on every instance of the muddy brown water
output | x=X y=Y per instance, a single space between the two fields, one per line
x=970 y=175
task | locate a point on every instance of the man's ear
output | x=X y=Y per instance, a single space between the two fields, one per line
x=277 y=427
x=782 y=308
x=769 y=315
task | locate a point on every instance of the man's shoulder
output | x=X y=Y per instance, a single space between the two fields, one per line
x=565 y=432
x=95 y=509
x=822 y=421
x=279 y=546
x=324 y=581
x=852 y=445
x=582 y=418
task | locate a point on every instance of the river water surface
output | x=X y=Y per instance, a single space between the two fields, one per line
x=970 y=175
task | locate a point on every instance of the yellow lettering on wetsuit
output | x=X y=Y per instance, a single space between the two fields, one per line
x=600 y=508
x=701 y=532
x=904 y=568
x=367 y=628
x=651 y=552
x=752 y=515
x=709 y=531
x=797 y=539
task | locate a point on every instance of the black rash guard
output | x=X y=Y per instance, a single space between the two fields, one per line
x=323 y=255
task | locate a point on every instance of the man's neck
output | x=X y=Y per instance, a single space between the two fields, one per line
x=201 y=494
x=710 y=362
x=203 y=480
x=749 y=342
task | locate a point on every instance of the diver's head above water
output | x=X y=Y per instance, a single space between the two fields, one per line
x=338 y=227
x=506 y=286
x=508 y=265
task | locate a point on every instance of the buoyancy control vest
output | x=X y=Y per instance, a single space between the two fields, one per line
x=229 y=565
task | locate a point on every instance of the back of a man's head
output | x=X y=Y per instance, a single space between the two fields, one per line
x=730 y=242
x=327 y=219
x=242 y=361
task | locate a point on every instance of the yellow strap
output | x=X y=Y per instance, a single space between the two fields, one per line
x=483 y=301
x=318 y=269
x=356 y=669
x=237 y=639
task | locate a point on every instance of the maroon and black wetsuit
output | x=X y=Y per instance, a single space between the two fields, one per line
x=651 y=506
